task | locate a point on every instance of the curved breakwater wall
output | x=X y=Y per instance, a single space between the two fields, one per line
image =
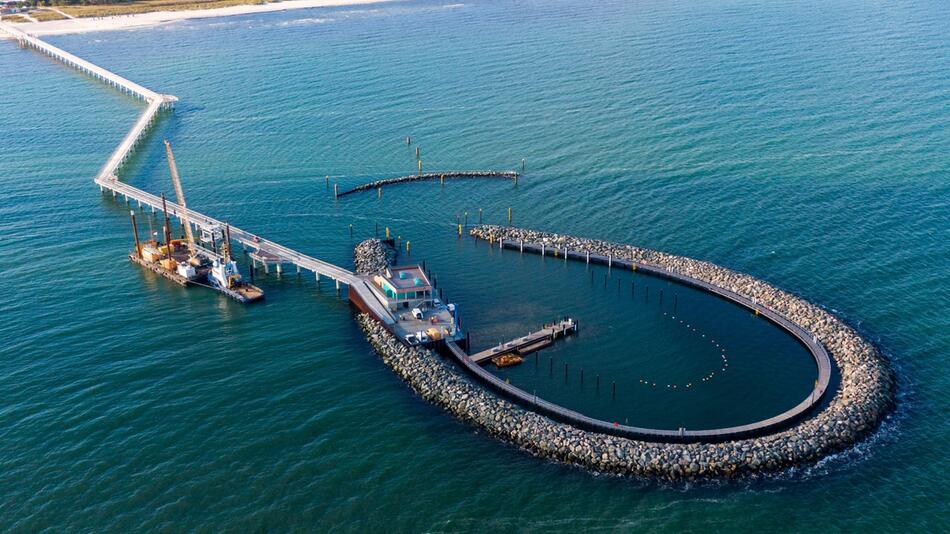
x=506 y=175
x=862 y=400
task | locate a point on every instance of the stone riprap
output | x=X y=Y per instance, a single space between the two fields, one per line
x=372 y=256
x=507 y=175
x=864 y=397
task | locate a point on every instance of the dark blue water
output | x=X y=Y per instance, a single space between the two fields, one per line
x=804 y=144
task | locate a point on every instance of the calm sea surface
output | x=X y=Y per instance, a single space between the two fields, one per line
x=806 y=144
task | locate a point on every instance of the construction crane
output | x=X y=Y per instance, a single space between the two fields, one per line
x=192 y=250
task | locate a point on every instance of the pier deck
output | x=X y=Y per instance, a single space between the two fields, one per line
x=107 y=179
x=529 y=343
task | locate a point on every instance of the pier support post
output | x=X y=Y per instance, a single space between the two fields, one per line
x=337 y=287
x=298 y=270
x=278 y=266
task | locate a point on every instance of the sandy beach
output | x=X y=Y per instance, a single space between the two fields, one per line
x=140 y=20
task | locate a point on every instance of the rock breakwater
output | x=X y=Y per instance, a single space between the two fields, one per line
x=373 y=255
x=862 y=400
x=507 y=175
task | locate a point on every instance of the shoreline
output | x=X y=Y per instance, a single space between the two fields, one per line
x=156 y=18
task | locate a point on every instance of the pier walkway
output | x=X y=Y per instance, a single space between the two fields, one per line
x=107 y=179
x=529 y=343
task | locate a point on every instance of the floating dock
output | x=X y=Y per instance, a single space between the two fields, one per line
x=529 y=343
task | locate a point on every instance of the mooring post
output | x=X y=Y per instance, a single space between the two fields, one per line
x=351 y=230
x=588 y=257
x=420 y=167
x=466 y=219
x=379 y=192
x=327 y=179
x=479 y=215
x=509 y=216
x=417 y=152
x=336 y=191
x=522 y=165
x=542 y=250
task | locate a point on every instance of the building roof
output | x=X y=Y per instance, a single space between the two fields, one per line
x=407 y=278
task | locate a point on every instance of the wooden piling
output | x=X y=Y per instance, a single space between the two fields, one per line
x=135 y=234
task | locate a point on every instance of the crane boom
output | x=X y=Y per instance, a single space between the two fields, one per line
x=192 y=252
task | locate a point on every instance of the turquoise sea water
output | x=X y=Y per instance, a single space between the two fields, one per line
x=804 y=144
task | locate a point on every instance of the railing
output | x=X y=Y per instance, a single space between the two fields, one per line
x=579 y=420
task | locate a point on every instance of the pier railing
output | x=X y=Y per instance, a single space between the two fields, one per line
x=107 y=177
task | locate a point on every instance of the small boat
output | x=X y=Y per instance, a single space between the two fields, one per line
x=226 y=278
x=506 y=360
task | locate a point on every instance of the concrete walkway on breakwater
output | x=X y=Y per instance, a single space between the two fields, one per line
x=107 y=179
x=785 y=419
x=508 y=175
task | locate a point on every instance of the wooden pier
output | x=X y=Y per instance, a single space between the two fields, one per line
x=529 y=343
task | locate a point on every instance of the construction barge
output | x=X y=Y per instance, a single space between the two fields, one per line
x=182 y=261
